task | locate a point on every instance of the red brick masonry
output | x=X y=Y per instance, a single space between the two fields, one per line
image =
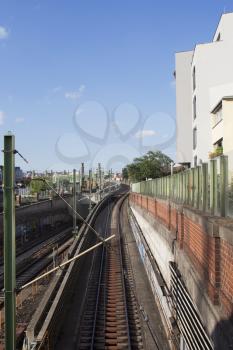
x=206 y=240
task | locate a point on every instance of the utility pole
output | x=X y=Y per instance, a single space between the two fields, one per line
x=83 y=176
x=79 y=179
x=100 y=179
x=90 y=189
x=74 y=204
x=9 y=241
x=96 y=185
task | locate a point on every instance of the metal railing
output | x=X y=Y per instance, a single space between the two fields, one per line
x=204 y=187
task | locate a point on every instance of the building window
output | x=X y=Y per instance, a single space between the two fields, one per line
x=217 y=115
x=194 y=78
x=195 y=161
x=194 y=138
x=194 y=107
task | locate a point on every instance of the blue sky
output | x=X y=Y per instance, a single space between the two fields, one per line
x=93 y=80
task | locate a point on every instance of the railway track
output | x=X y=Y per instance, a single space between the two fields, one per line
x=22 y=248
x=32 y=262
x=91 y=304
x=29 y=265
x=110 y=316
x=34 y=244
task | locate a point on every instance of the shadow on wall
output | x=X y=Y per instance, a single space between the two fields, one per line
x=223 y=335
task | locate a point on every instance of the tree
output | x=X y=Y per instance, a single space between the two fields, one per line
x=125 y=173
x=37 y=186
x=151 y=165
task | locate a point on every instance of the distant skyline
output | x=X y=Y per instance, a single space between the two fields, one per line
x=93 y=81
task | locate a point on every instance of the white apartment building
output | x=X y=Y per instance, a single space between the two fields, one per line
x=204 y=97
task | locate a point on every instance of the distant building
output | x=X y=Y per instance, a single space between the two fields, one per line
x=19 y=175
x=204 y=90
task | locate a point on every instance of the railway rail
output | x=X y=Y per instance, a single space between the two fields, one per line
x=31 y=263
x=35 y=259
x=110 y=317
x=34 y=243
x=91 y=304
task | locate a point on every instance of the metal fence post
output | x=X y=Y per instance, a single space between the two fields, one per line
x=213 y=186
x=182 y=187
x=196 y=187
x=178 y=187
x=185 y=187
x=169 y=186
x=199 y=187
x=204 y=169
x=223 y=185
x=188 y=186
x=192 y=187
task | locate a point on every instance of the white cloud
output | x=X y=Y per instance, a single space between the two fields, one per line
x=75 y=95
x=3 y=33
x=19 y=120
x=2 y=117
x=144 y=133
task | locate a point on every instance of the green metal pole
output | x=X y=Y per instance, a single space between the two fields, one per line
x=204 y=187
x=199 y=187
x=9 y=242
x=213 y=186
x=83 y=177
x=192 y=187
x=100 y=179
x=74 y=204
x=90 y=189
x=79 y=182
x=223 y=185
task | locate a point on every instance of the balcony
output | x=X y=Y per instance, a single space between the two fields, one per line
x=218 y=151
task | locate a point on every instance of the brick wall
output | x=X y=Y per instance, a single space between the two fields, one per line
x=163 y=213
x=174 y=220
x=226 y=269
x=198 y=237
x=203 y=251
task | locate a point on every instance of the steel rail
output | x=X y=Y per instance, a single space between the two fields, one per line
x=67 y=262
x=33 y=256
x=122 y=269
x=43 y=326
x=99 y=281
